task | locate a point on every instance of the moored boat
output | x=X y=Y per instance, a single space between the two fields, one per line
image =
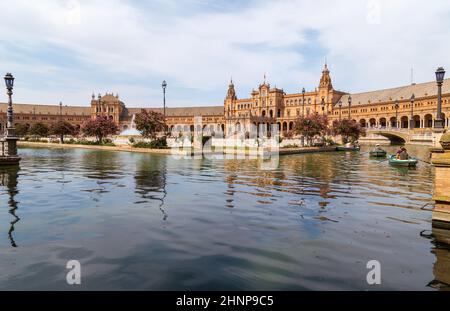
x=409 y=162
x=343 y=148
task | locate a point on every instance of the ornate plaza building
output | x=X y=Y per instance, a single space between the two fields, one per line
x=266 y=106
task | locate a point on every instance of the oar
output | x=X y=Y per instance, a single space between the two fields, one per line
x=423 y=161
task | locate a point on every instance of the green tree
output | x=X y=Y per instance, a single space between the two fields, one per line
x=149 y=123
x=62 y=128
x=39 y=130
x=22 y=129
x=349 y=130
x=311 y=125
x=99 y=128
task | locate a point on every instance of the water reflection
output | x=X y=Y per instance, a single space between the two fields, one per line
x=8 y=182
x=151 y=178
x=441 y=267
x=231 y=226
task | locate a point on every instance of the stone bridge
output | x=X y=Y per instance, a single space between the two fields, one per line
x=397 y=135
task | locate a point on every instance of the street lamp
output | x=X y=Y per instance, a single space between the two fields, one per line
x=411 y=122
x=349 y=106
x=9 y=81
x=340 y=110
x=440 y=74
x=9 y=151
x=164 y=86
x=303 y=102
x=396 y=113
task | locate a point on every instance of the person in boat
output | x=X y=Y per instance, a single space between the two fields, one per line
x=403 y=155
x=378 y=148
x=397 y=154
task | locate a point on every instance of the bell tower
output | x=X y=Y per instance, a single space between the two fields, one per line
x=230 y=99
x=325 y=92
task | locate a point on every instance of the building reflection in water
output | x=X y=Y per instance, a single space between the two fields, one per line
x=151 y=181
x=8 y=183
x=441 y=268
x=441 y=228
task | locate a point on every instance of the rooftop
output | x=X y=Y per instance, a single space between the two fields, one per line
x=399 y=93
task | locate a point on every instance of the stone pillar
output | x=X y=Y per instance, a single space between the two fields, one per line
x=441 y=160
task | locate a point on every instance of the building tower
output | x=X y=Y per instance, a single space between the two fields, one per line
x=325 y=93
x=229 y=104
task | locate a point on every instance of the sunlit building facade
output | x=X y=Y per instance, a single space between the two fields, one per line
x=412 y=107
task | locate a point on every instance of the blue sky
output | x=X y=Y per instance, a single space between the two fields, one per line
x=65 y=50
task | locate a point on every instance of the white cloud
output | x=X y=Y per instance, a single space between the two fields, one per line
x=369 y=44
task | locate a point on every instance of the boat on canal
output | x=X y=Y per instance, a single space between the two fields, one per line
x=411 y=162
x=345 y=148
x=378 y=152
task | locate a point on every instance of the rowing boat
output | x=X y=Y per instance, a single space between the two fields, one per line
x=378 y=153
x=343 y=148
x=409 y=162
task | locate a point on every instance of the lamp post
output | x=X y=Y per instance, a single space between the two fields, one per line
x=396 y=113
x=303 y=102
x=60 y=111
x=9 y=150
x=411 y=122
x=438 y=123
x=340 y=110
x=9 y=81
x=164 y=86
x=349 y=106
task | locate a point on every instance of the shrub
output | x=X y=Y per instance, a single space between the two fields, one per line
x=160 y=143
x=291 y=146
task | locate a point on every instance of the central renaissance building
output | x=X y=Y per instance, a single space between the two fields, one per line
x=267 y=106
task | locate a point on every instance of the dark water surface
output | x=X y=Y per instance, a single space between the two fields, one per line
x=139 y=221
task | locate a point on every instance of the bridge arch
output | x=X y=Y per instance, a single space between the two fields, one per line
x=395 y=136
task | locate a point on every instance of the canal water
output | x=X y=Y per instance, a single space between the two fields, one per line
x=154 y=222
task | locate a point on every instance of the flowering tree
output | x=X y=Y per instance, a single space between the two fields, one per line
x=350 y=130
x=62 y=128
x=311 y=125
x=100 y=127
x=149 y=123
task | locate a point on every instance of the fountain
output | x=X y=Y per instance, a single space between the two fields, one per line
x=131 y=131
